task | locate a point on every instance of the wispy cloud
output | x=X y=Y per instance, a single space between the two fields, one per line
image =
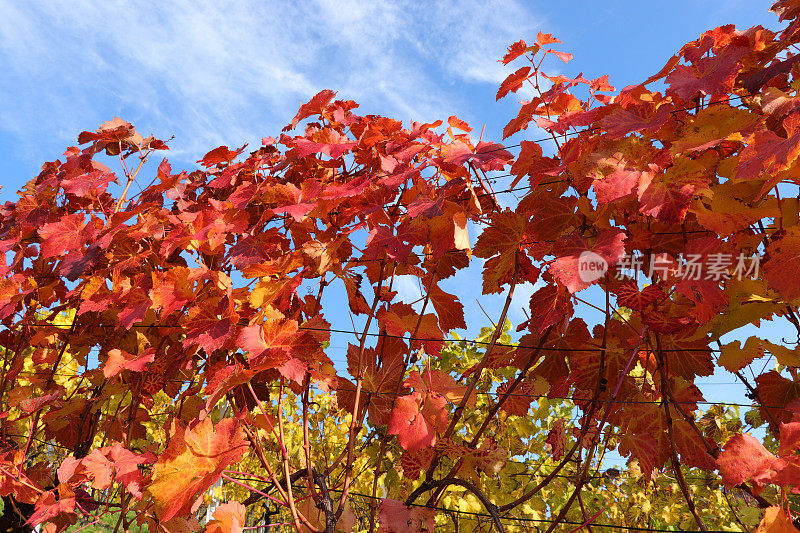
x=220 y=73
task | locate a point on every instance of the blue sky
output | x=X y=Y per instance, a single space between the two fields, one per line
x=214 y=73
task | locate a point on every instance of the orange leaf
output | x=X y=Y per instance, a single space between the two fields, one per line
x=118 y=361
x=776 y=521
x=514 y=51
x=456 y=122
x=193 y=461
x=545 y=38
x=228 y=518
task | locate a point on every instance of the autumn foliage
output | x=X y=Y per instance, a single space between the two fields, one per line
x=173 y=334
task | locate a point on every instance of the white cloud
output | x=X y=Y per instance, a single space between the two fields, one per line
x=221 y=73
x=519 y=310
x=408 y=291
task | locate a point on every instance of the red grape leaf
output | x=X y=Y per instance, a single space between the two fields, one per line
x=224 y=380
x=48 y=506
x=312 y=107
x=514 y=51
x=780 y=270
x=580 y=264
x=395 y=517
x=101 y=463
x=220 y=155
x=557 y=439
x=744 y=458
x=64 y=236
x=549 y=305
x=778 y=393
x=335 y=145
x=621 y=122
x=437 y=382
x=628 y=295
x=513 y=82
x=449 y=310
x=416 y=420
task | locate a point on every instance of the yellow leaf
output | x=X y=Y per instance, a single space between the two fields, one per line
x=713 y=125
x=783 y=355
x=735 y=357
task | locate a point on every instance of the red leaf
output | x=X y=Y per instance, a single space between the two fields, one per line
x=514 y=51
x=313 y=107
x=780 y=270
x=486 y=156
x=449 y=310
x=744 y=458
x=380 y=378
x=502 y=236
x=709 y=76
x=337 y=146
x=518 y=402
x=641 y=431
x=692 y=447
x=48 y=506
x=621 y=122
x=523 y=118
x=413 y=462
x=64 y=236
x=437 y=382
x=210 y=326
x=549 y=305
x=706 y=295
x=112 y=131
x=579 y=265
x=754 y=81
x=513 y=82
x=789 y=437
x=111 y=461
x=416 y=421
x=275 y=337
x=667 y=196
x=778 y=393
x=220 y=155
x=395 y=517
x=94 y=182
x=628 y=295
x=31 y=405
x=173 y=289
x=224 y=381
x=557 y=439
